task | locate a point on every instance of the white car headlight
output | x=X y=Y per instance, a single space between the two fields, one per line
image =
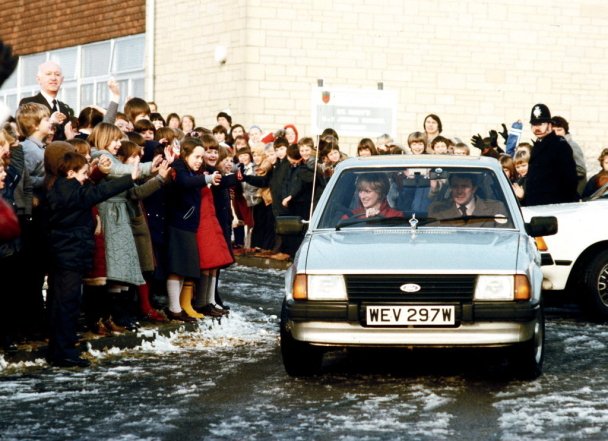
x=495 y=288
x=325 y=287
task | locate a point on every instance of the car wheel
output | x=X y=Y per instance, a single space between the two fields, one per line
x=596 y=283
x=299 y=358
x=529 y=356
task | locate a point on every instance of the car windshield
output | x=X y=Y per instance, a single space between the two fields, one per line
x=416 y=197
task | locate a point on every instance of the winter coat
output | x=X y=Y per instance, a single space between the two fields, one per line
x=122 y=259
x=185 y=197
x=551 y=177
x=213 y=250
x=71 y=220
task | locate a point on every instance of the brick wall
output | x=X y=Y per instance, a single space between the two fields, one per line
x=39 y=25
x=474 y=63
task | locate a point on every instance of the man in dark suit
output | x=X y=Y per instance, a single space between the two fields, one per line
x=50 y=79
x=465 y=206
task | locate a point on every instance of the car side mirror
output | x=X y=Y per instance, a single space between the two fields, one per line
x=289 y=225
x=542 y=226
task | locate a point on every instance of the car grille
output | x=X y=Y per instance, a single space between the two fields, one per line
x=433 y=287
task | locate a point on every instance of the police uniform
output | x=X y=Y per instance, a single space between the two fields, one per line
x=551 y=177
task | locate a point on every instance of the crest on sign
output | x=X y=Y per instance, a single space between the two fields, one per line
x=325 y=96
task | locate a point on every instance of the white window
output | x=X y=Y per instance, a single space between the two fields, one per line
x=86 y=70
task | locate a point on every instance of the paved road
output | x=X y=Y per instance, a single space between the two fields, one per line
x=226 y=382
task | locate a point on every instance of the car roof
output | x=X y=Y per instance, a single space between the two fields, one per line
x=419 y=161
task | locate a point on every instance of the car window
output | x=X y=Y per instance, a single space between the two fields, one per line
x=435 y=197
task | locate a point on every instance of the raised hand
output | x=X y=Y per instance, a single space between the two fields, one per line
x=477 y=141
x=504 y=133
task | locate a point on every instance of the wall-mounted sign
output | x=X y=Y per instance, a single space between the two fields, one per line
x=354 y=112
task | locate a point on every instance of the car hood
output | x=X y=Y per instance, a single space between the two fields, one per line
x=424 y=251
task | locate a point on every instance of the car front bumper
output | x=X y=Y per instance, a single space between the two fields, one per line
x=343 y=324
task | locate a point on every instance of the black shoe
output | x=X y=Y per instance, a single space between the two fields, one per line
x=180 y=316
x=70 y=362
x=212 y=311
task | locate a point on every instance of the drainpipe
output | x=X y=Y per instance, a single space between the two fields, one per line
x=149 y=42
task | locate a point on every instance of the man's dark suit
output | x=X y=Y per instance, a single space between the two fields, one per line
x=61 y=106
x=448 y=210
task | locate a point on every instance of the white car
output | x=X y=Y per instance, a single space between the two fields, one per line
x=389 y=260
x=576 y=258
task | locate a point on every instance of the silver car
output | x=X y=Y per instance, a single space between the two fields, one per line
x=415 y=251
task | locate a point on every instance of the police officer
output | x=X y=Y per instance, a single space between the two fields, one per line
x=551 y=177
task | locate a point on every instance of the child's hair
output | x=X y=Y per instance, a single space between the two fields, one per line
x=507 y=162
x=191 y=118
x=281 y=141
x=71 y=161
x=524 y=146
x=137 y=138
x=128 y=149
x=171 y=116
x=81 y=146
x=521 y=157
x=224 y=115
x=29 y=116
x=307 y=141
x=394 y=149
x=165 y=133
x=331 y=132
x=463 y=146
x=244 y=151
x=416 y=137
x=293 y=152
x=220 y=129
x=8 y=135
x=103 y=134
x=143 y=125
x=367 y=144
x=187 y=147
x=439 y=139
x=239 y=138
x=89 y=117
x=603 y=154
x=223 y=153
x=135 y=107
x=209 y=142
x=155 y=116
x=384 y=139
x=120 y=115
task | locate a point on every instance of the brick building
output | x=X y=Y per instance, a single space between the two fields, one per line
x=474 y=63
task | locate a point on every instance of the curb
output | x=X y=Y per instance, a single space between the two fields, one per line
x=31 y=351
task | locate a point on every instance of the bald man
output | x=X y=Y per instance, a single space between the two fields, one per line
x=50 y=79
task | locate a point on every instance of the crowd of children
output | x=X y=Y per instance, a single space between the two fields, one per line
x=141 y=213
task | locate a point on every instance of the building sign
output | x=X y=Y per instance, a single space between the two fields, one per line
x=354 y=112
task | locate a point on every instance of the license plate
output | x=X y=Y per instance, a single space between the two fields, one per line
x=435 y=315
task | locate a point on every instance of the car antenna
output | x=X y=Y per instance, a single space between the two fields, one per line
x=314 y=178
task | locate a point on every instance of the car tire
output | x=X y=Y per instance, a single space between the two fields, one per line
x=299 y=358
x=529 y=356
x=596 y=286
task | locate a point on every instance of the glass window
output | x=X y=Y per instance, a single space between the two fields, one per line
x=128 y=54
x=436 y=197
x=96 y=59
x=87 y=92
x=67 y=59
x=29 y=68
x=86 y=70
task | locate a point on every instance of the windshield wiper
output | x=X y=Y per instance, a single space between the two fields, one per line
x=391 y=220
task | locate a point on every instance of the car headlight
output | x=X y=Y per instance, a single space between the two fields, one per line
x=319 y=287
x=503 y=288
